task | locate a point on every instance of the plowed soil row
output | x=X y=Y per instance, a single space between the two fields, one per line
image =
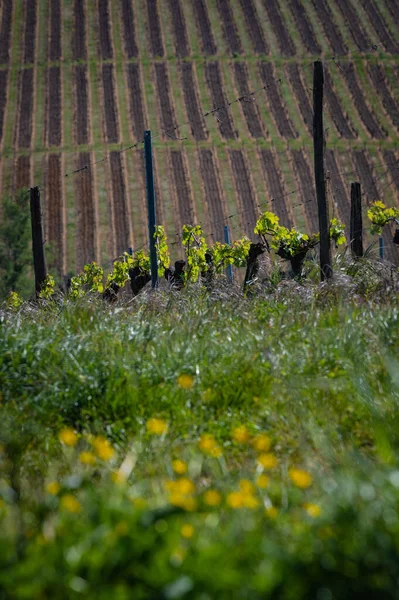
x=3 y=100
x=215 y=84
x=393 y=9
x=341 y=120
x=365 y=114
x=30 y=31
x=193 y=107
x=276 y=102
x=340 y=189
x=182 y=187
x=244 y=191
x=302 y=96
x=25 y=108
x=393 y=165
x=379 y=25
x=275 y=185
x=333 y=34
x=180 y=30
x=205 y=29
x=254 y=27
x=86 y=217
x=154 y=27
x=308 y=193
x=119 y=203
x=305 y=27
x=81 y=105
x=53 y=128
x=138 y=120
x=213 y=194
x=128 y=22
x=249 y=106
x=168 y=119
x=111 y=129
x=359 y=35
x=285 y=43
x=22 y=172
x=378 y=78
x=5 y=32
x=55 y=214
x=54 y=39
x=229 y=27
x=78 y=42
x=106 y=50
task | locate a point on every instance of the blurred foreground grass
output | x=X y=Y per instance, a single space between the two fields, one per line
x=187 y=446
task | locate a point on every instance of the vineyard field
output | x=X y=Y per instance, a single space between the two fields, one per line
x=225 y=86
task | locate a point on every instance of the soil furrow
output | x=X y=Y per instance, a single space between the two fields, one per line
x=302 y=95
x=276 y=102
x=128 y=22
x=358 y=34
x=180 y=30
x=244 y=191
x=213 y=195
x=154 y=27
x=81 y=105
x=86 y=214
x=104 y=24
x=168 y=119
x=340 y=190
x=22 y=172
x=379 y=81
x=393 y=166
x=193 y=107
x=286 y=45
x=55 y=38
x=341 y=120
x=25 y=108
x=215 y=84
x=308 y=193
x=393 y=8
x=249 y=106
x=182 y=187
x=78 y=42
x=305 y=27
x=254 y=27
x=5 y=32
x=119 y=204
x=3 y=100
x=54 y=214
x=379 y=25
x=365 y=113
x=205 y=29
x=229 y=27
x=137 y=111
x=30 y=32
x=332 y=32
x=53 y=127
x=111 y=129
x=275 y=185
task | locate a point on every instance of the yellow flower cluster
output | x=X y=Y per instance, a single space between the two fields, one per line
x=300 y=478
x=68 y=437
x=70 y=504
x=187 y=530
x=212 y=498
x=244 y=498
x=267 y=460
x=260 y=442
x=53 y=488
x=156 y=426
x=181 y=493
x=179 y=466
x=102 y=448
x=185 y=381
x=208 y=445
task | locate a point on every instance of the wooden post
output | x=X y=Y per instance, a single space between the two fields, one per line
x=151 y=206
x=39 y=258
x=381 y=247
x=229 y=268
x=318 y=146
x=356 y=224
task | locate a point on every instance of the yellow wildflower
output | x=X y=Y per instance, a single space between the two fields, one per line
x=87 y=458
x=209 y=445
x=212 y=497
x=53 y=488
x=69 y=503
x=68 y=437
x=183 y=485
x=300 y=478
x=187 y=502
x=246 y=486
x=139 y=502
x=179 y=466
x=263 y=481
x=156 y=426
x=187 y=530
x=271 y=512
x=235 y=499
x=118 y=477
x=241 y=434
x=249 y=501
x=185 y=381
x=261 y=443
x=313 y=510
x=103 y=448
x=267 y=460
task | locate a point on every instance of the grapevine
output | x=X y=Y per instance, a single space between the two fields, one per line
x=337 y=232
x=120 y=272
x=196 y=249
x=14 y=301
x=380 y=215
x=226 y=254
x=91 y=280
x=161 y=246
x=48 y=288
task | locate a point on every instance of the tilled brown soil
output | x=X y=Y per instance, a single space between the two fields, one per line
x=339 y=187
x=25 y=108
x=179 y=27
x=138 y=121
x=111 y=128
x=341 y=120
x=244 y=191
x=129 y=35
x=104 y=25
x=213 y=192
x=30 y=18
x=81 y=132
x=3 y=100
x=215 y=84
x=275 y=183
x=54 y=25
x=358 y=33
x=22 y=172
x=333 y=34
x=204 y=25
x=379 y=25
x=276 y=103
x=285 y=42
x=306 y=30
x=86 y=214
x=254 y=28
x=181 y=183
x=308 y=191
x=229 y=26
x=119 y=203
x=302 y=95
x=249 y=105
x=154 y=29
x=378 y=78
x=193 y=107
x=167 y=113
x=55 y=214
x=78 y=41
x=53 y=123
x=5 y=31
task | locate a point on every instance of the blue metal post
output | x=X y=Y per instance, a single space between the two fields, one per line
x=151 y=206
x=381 y=247
x=229 y=269
x=130 y=251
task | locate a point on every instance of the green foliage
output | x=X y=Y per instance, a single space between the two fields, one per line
x=230 y=254
x=267 y=224
x=91 y=280
x=141 y=260
x=337 y=232
x=120 y=272
x=380 y=215
x=291 y=242
x=15 y=252
x=48 y=288
x=196 y=247
x=161 y=246
x=14 y=301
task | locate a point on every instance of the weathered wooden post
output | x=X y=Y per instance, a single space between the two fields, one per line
x=39 y=258
x=255 y=251
x=381 y=247
x=318 y=147
x=151 y=206
x=356 y=224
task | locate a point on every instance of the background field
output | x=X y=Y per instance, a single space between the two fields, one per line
x=81 y=80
